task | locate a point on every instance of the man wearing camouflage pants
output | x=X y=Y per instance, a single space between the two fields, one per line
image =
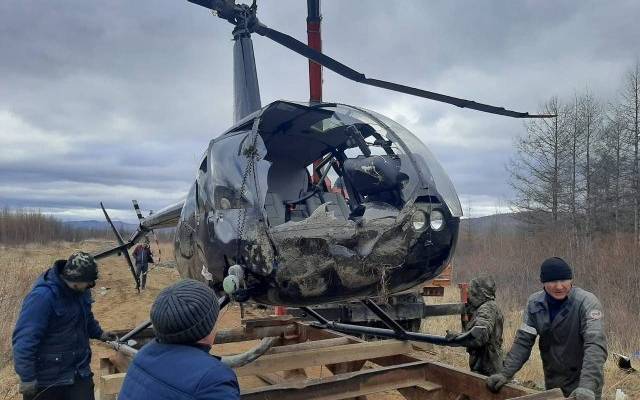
x=485 y=350
x=572 y=343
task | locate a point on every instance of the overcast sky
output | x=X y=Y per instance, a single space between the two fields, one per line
x=115 y=100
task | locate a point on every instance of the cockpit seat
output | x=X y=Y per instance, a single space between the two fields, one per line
x=274 y=208
x=374 y=174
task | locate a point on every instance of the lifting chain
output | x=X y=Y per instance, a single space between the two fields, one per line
x=251 y=153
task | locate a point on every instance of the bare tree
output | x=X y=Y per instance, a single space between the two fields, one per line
x=538 y=170
x=590 y=112
x=629 y=109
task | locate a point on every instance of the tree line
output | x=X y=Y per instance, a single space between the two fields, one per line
x=581 y=169
x=19 y=227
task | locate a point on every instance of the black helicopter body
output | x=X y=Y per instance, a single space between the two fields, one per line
x=391 y=225
x=309 y=203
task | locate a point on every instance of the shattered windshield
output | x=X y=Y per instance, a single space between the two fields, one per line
x=427 y=161
x=376 y=141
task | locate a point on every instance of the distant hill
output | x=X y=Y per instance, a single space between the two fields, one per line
x=508 y=222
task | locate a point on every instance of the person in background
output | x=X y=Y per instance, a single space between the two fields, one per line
x=177 y=364
x=51 y=350
x=569 y=322
x=143 y=256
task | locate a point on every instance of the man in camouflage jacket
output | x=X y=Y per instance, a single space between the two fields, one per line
x=573 y=347
x=485 y=350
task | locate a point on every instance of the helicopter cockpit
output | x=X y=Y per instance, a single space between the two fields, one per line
x=310 y=147
x=317 y=192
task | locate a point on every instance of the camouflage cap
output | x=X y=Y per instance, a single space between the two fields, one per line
x=80 y=267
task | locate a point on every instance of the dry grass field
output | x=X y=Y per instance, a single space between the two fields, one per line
x=119 y=306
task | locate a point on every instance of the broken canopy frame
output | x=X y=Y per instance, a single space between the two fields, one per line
x=319 y=118
x=395 y=331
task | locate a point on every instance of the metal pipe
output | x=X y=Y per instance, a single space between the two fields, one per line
x=135 y=331
x=389 y=333
x=123 y=348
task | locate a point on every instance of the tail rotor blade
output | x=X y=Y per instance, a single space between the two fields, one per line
x=138 y=212
x=125 y=251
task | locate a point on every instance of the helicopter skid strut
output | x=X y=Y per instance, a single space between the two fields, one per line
x=395 y=331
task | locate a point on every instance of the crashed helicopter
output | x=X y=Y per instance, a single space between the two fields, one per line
x=307 y=203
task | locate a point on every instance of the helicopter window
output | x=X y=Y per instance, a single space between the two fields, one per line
x=228 y=198
x=238 y=172
x=203 y=165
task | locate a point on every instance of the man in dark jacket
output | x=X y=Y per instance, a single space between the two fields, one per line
x=143 y=256
x=177 y=364
x=572 y=343
x=51 y=339
x=485 y=350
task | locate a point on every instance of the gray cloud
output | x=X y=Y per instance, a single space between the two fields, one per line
x=118 y=100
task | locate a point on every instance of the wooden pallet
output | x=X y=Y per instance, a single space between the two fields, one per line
x=358 y=369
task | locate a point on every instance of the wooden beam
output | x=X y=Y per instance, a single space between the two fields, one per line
x=242 y=334
x=271 y=378
x=471 y=384
x=268 y=321
x=553 y=394
x=316 y=344
x=111 y=384
x=423 y=391
x=106 y=368
x=333 y=355
x=347 y=385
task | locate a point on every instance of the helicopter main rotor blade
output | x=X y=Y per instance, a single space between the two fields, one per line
x=349 y=73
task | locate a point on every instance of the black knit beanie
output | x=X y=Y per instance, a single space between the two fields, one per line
x=555 y=269
x=80 y=267
x=184 y=312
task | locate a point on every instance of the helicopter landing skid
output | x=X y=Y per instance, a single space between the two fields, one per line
x=395 y=331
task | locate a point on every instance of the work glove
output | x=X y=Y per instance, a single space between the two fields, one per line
x=108 y=336
x=451 y=335
x=583 y=394
x=496 y=381
x=28 y=388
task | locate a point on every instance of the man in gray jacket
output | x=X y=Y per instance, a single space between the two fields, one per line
x=572 y=343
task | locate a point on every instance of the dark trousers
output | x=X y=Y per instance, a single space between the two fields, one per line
x=141 y=271
x=82 y=389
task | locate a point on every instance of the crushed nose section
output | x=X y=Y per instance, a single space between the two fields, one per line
x=324 y=255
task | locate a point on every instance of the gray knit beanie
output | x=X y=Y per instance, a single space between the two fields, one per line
x=184 y=312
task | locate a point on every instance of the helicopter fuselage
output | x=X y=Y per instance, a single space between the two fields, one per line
x=317 y=203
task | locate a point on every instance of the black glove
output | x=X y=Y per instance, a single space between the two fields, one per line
x=496 y=381
x=108 y=336
x=28 y=388
x=583 y=394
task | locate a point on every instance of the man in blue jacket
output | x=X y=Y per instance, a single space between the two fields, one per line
x=177 y=364
x=51 y=339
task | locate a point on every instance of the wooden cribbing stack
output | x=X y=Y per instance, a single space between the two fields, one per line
x=357 y=369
